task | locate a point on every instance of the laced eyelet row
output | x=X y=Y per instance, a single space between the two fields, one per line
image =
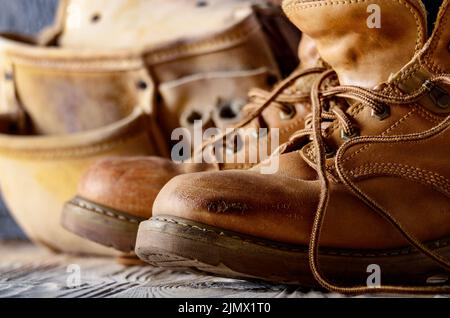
x=373 y=99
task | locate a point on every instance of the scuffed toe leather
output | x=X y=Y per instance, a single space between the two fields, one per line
x=264 y=209
x=124 y=184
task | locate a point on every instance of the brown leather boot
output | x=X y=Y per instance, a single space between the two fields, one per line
x=116 y=194
x=375 y=180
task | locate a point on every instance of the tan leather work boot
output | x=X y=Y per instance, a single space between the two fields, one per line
x=116 y=194
x=114 y=78
x=375 y=180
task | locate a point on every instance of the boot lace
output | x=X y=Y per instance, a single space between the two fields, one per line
x=377 y=101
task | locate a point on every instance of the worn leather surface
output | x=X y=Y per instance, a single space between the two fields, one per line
x=409 y=178
x=65 y=95
x=361 y=55
x=113 y=24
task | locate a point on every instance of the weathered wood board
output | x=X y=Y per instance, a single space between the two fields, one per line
x=29 y=271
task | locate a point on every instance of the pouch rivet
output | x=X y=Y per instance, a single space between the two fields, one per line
x=96 y=17
x=142 y=85
x=202 y=3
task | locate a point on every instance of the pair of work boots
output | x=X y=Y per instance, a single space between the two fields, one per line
x=115 y=78
x=365 y=183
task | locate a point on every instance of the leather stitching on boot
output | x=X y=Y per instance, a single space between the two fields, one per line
x=413 y=173
x=109 y=213
x=75 y=151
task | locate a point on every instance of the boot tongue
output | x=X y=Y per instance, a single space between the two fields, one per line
x=365 y=42
x=308 y=54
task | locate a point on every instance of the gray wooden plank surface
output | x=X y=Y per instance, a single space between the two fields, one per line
x=29 y=271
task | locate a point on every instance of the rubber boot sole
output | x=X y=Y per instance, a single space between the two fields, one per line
x=182 y=244
x=101 y=224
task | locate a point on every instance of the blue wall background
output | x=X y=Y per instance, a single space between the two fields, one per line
x=28 y=17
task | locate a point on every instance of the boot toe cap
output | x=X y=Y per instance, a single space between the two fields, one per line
x=243 y=202
x=129 y=185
